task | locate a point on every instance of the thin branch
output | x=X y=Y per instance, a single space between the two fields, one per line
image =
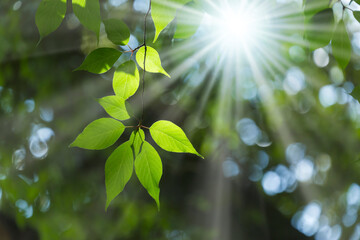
x=134 y=50
x=143 y=77
x=346 y=7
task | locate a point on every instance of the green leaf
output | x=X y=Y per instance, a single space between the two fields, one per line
x=171 y=138
x=163 y=12
x=356 y=93
x=126 y=80
x=115 y=107
x=357 y=15
x=100 y=60
x=341 y=45
x=88 y=13
x=320 y=29
x=153 y=62
x=148 y=168
x=188 y=20
x=137 y=138
x=118 y=171
x=99 y=134
x=314 y=6
x=49 y=16
x=117 y=31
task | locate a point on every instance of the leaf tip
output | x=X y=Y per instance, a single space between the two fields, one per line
x=107 y=205
x=166 y=74
x=38 y=43
x=156 y=36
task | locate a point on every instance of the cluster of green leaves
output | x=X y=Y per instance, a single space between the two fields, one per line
x=51 y=13
x=104 y=132
x=321 y=29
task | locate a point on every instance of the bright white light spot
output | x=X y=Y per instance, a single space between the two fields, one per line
x=350 y=217
x=238 y=27
x=230 y=168
x=38 y=148
x=47 y=114
x=248 y=131
x=328 y=95
x=17 y=5
x=353 y=195
x=304 y=170
x=29 y=105
x=294 y=81
x=307 y=221
x=295 y=152
x=288 y=180
x=329 y=233
x=117 y=3
x=271 y=183
x=141 y=5
x=45 y=134
x=342 y=96
x=24 y=208
x=321 y=57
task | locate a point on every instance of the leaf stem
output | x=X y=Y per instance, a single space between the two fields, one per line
x=135 y=49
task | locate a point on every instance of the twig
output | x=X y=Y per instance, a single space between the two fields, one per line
x=143 y=77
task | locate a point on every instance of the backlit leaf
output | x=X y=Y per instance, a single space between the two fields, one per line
x=171 y=138
x=163 y=12
x=117 y=31
x=148 y=168
x=320 y=29
x=153 y=62
x=118 y=171
x=100 y=60
x=49 y=16
x=126 y=80
x=115 y=107
x=341 y=45
x=88 y=13
x=99 y=134
x=314 y=6
x=188 y=20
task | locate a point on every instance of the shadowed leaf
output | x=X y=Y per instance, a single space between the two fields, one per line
x=100 y=60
